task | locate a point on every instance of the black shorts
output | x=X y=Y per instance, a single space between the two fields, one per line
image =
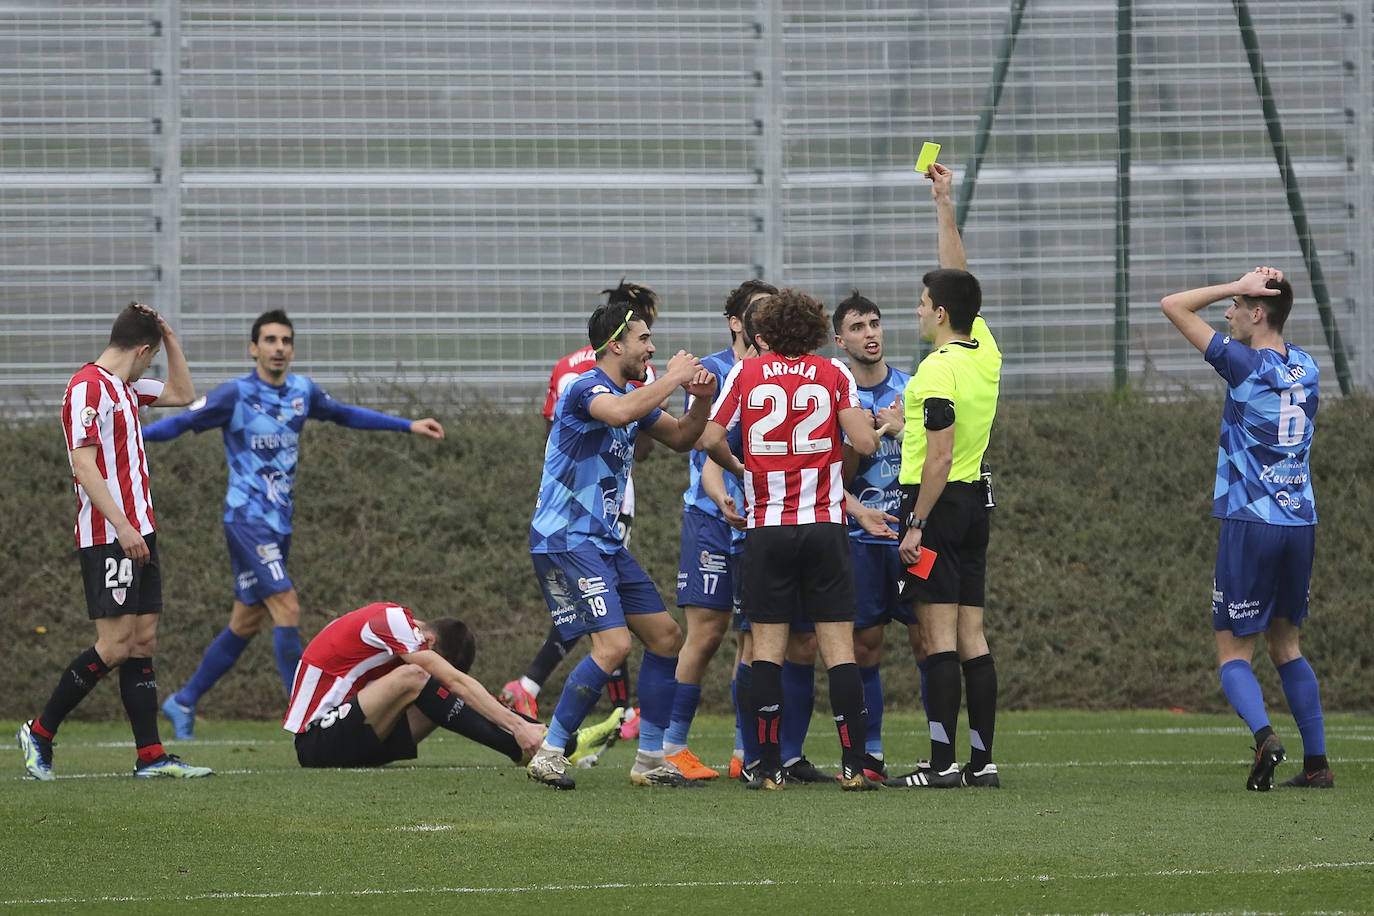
x=788 y=571
x=342 y=738
x=957 y=530
x=115 y=586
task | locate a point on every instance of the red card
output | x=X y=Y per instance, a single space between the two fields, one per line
x=921 y=568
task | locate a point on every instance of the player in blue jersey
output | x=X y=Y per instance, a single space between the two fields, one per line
x=707 y=582
x=260 y=416
x=1263 y=496
x=590 y=581
x=873 y=498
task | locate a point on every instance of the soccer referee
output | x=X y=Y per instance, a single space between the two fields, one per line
x=952 y=399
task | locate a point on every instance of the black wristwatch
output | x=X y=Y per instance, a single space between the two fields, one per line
x=913 y=522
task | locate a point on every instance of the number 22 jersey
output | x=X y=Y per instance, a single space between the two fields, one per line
x=789 y=409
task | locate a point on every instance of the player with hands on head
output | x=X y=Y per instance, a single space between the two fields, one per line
x=950 y=404
x=116 y=537
x=260 y=417
x=590 y=581
x=1263 y=496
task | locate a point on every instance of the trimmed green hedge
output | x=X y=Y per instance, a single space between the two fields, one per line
x=1098 y=582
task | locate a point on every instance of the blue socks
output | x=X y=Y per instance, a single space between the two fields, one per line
x=657 y=687
x=1305 y=702
x=1243 y=691
x=685 y=704
x=286 y=644
x=873 y=699
x=798 y=702
x=580 y=693
x=224 y=650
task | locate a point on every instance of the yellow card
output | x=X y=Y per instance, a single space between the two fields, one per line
x=928 y=153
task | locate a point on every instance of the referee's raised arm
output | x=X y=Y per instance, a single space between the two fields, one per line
x=951 y=245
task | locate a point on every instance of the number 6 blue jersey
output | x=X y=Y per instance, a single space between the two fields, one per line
x=1266 y=434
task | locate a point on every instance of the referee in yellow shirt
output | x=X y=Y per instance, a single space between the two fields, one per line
x=950 y=404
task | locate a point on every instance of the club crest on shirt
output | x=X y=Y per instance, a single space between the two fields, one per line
x=298 y=405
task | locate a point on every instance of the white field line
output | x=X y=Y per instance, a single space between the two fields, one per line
x=655 y=885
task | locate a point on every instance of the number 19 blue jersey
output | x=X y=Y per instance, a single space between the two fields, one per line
x=1266 y=434
x=586 y=466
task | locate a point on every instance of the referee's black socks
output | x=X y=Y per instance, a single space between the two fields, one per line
x=945 y=687
x=980 y=682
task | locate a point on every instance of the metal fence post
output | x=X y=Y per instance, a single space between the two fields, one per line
x=166 y=77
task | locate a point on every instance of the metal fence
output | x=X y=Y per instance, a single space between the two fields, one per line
x=436 y=190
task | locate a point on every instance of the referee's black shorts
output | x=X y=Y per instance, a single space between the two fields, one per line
x=788 y=571
x=957 y=530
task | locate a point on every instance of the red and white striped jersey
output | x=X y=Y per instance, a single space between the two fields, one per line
x=789 y=408
x=346 y=656
x=101 y=410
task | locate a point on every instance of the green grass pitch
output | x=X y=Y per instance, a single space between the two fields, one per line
x=1100 y=812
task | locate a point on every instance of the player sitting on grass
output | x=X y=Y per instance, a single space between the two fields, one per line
x=376 y=682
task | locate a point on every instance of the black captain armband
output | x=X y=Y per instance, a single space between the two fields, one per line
x=939 y=413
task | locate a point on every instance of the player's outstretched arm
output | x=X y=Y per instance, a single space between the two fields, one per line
x=212 y=412
x=427 y=427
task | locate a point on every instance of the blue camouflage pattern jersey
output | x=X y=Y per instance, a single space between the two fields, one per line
x=694 y=496
x=586 y=465
x=261 y=424
x=875 y=479
x=1266 y=434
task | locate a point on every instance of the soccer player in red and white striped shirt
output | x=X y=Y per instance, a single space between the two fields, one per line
x=793 y=406
x=116 y=535
x=375 y=682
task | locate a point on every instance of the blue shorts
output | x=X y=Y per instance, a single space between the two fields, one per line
x=877 y=570
x=706 y=566
x=257 y=555
x=588 y=591
x=1262 y=571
